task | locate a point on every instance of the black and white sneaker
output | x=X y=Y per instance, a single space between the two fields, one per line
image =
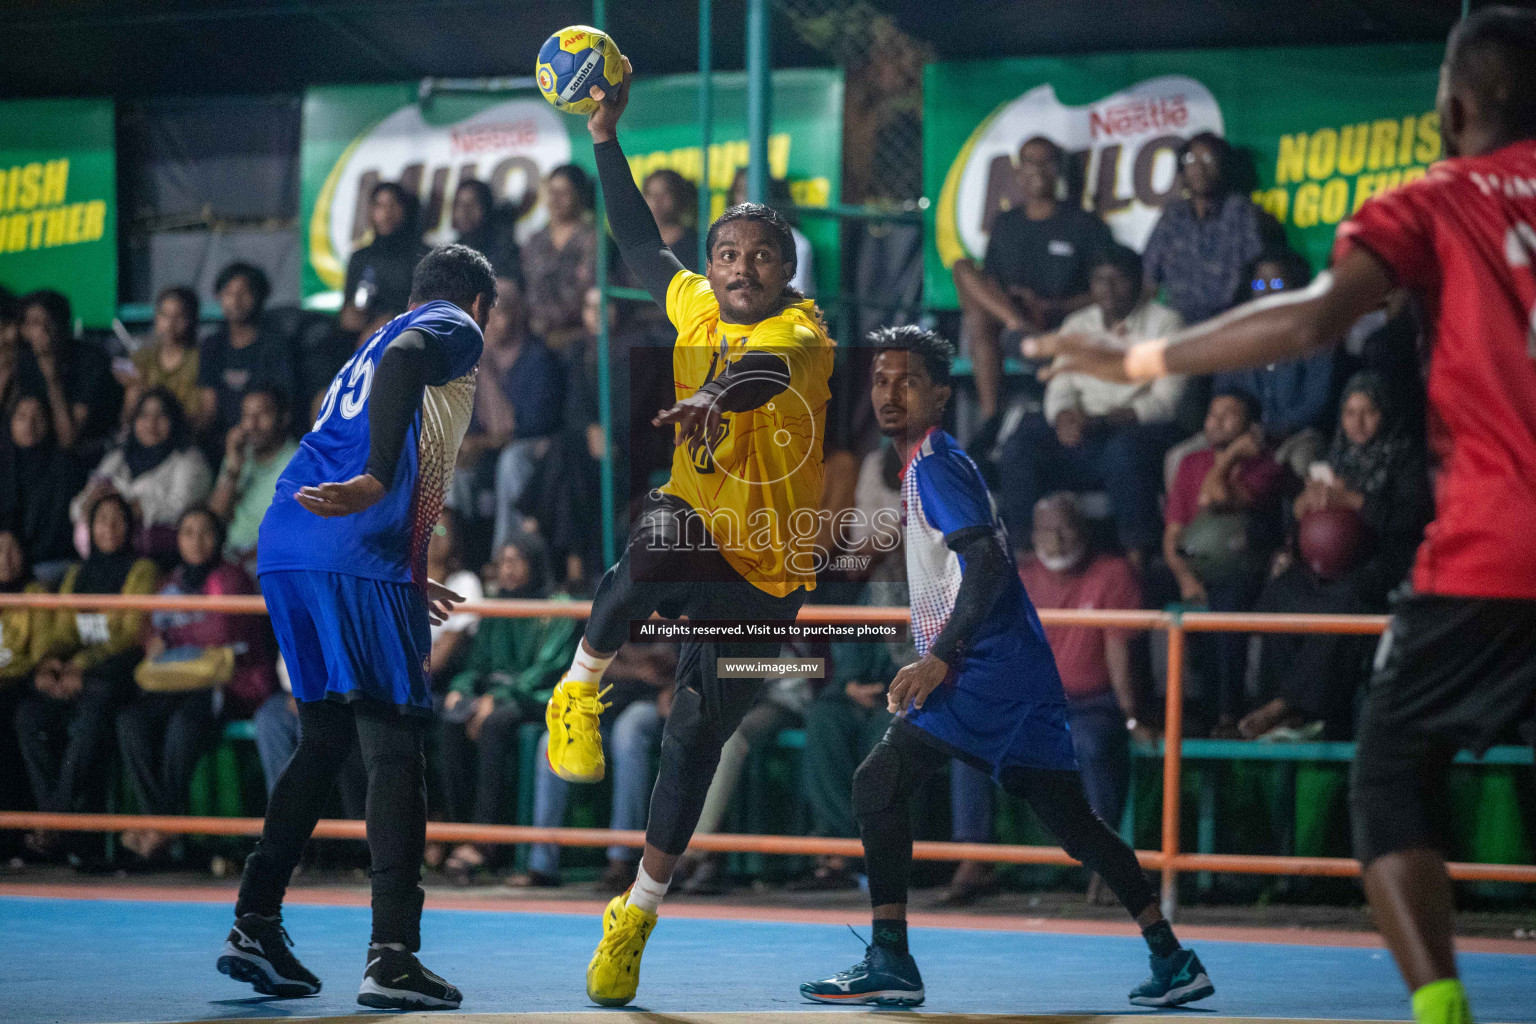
x=395 y=980
x=257 y=952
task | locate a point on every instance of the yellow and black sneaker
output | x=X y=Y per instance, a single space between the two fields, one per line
x=575 y=745
x=613 y=976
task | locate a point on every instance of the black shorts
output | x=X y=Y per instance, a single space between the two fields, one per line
x=1452 y=673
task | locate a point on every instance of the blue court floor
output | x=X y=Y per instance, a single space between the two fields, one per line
x=93 y=962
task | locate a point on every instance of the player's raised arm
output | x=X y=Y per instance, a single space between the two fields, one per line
x=1270 y=330
x=406 y=366
x=634 y=229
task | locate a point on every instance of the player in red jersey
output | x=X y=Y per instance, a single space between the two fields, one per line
x=1457 y=669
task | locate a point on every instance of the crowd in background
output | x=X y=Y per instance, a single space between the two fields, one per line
x=147 y=468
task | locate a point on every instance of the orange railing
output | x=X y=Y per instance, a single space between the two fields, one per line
x=1169 y=860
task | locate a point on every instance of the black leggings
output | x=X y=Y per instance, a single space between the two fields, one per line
x=671 y=566
x=900 y=763
x=397 y=811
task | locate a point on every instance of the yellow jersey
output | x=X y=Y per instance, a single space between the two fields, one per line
x=757 y=482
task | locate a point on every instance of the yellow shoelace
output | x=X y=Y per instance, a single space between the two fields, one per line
x=582 y=713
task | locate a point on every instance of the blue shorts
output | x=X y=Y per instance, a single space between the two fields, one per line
x=998 y=732
x=346 y=637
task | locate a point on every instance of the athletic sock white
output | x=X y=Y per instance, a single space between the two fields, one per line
x=588 y=668
x=647 y=893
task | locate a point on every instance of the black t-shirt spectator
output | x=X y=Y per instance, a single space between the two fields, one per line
x=85 y=375
x=387 y=265
x=1053 y=257
x=231 y=372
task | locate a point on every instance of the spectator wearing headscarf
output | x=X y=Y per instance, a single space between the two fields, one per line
x=64 y=723
x=379 y=274
x=513 y=665
x=162 y=733
x=157 y=469
x=478 y=224
x=1375 y=471
x=38 y=479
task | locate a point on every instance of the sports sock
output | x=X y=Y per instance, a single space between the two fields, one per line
x=891 y=933
x=588 y=668
x=397 y=946
x=1160 y=939
x=647 y=893
x=1442 y=1002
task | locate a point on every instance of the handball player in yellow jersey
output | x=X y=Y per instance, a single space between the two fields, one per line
x=729 y=536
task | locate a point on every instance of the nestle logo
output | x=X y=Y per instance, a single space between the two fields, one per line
x=1137 y=117
x=482 y=138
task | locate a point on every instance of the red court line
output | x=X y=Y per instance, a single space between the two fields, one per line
x=736 y=912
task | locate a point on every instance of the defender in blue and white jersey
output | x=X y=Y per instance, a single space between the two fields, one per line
x=342 y=561
x=984 y=690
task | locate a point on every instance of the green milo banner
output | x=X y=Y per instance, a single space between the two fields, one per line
x=58 y=198
x=357 y=136
x=1324 y=128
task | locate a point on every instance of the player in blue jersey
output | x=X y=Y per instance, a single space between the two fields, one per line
x=984 y=690
x=342 y=558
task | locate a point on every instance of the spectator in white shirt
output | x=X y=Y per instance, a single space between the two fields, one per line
x=1096 y=435
x=445 y=564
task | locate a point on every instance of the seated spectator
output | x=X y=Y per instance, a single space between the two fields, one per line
x=558 y=497
x=842 y=725
x=1375 y=474
x=1098 y=435
x=243 y=353
x=73 y=377
x=10 y=349
x=199 y=668
x=1221 y=522
x=641 y=678
x=1207 y=236
x=1036 y=269
x=674 y=202
x=476 y=223
x=37 y=481
x=21 y=628
x=518 y=407
x=157 y=469
x=1295 y=398
x=256 y=451
x=21 y=631
x=782 y=707
x=169 y=358
x=1095 y=664
x=513 y=665
x=84 y=673
x=560 y=260
x=445 y=563
x=779 y=198
x=379 y=274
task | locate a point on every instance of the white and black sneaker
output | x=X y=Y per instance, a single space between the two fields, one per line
x=395 y=980
x=257 y=952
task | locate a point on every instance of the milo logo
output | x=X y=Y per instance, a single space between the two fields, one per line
x=1120 y=155
x=509 y=145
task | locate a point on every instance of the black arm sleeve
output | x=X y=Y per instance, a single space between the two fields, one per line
x=750 y=381
x=634 y=229
x=399 y=383
x=986 y=571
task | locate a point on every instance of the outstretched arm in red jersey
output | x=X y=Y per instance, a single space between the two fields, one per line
x=1284 y=327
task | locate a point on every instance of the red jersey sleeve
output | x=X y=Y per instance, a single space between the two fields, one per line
x=1397 y=229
